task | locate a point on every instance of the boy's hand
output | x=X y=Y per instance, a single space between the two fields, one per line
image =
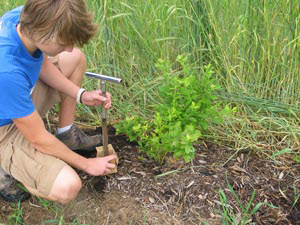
x=95 y=98
x=100 y=166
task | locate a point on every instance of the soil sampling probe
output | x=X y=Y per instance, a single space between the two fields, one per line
x=106 y=149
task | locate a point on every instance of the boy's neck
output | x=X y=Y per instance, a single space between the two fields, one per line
x=29 y=44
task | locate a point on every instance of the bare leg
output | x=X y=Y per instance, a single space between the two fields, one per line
x=72 y=65
x=65 y=188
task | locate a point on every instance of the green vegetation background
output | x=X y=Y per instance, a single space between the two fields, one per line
x=252 y=45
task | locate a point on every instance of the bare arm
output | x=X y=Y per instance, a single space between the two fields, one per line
x=54 y=78
x=33 y=129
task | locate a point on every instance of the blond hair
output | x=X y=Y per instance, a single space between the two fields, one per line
x=57 y=21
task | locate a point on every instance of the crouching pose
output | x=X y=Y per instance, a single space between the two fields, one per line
x=39 y=67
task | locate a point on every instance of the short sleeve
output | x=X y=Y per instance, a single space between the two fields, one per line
x=15 y=99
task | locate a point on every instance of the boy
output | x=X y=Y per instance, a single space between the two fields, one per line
x=39 y=67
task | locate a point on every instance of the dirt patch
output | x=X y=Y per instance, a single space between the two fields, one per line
x=144 y=192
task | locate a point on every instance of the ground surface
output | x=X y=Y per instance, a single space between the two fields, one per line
x=144 y=192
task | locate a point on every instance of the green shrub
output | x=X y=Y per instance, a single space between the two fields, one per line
x=187 y=105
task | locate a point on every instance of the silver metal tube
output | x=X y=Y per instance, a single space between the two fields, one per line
x=103 y=90
x=104 y=77
x=104 y=121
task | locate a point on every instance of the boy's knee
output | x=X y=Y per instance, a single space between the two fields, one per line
x=69 y=190
x=72 y=63
x=79 y=56
x=66 y=186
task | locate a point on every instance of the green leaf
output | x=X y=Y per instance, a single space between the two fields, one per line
x=283 y=151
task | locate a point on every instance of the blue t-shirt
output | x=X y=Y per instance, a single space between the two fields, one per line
x=19 y=71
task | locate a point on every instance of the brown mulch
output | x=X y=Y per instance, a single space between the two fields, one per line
x=191 y=191
x=144 y=192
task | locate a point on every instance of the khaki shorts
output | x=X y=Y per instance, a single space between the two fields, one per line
x=18 y=158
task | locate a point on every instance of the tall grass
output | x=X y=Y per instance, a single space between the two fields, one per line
x=9 y=4
x=133 y=35
x=258 y=47
x=257 y=59
x=252 y=44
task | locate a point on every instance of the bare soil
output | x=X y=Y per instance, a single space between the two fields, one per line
x=144 y=192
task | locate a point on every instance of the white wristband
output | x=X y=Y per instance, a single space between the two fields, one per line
x=78 y=97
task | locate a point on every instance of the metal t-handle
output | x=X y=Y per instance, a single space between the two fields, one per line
x=103 y=79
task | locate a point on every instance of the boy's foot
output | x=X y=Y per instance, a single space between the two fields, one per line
x=9 y=190
x=77 y=140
